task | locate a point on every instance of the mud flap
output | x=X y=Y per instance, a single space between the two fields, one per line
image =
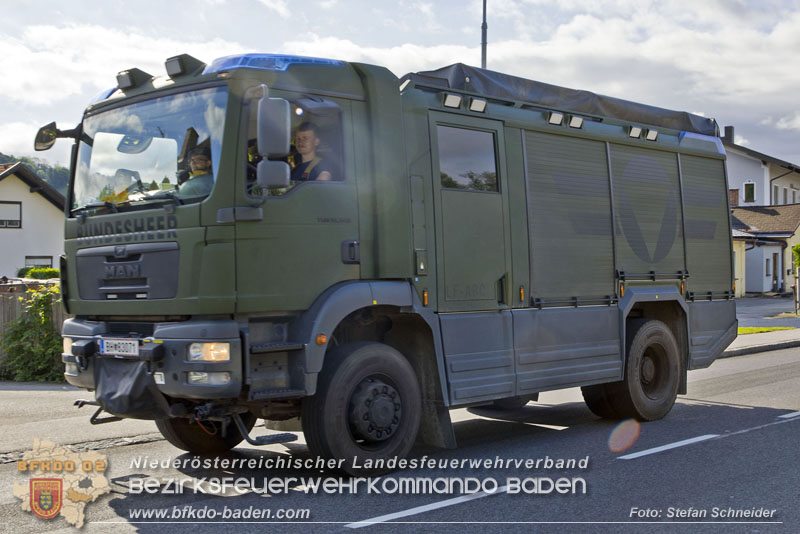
x=125 y=388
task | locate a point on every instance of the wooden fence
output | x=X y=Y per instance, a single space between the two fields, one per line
x=11 y=308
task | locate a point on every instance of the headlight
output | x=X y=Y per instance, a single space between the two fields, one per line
x=209 y=352
x=211 y=379
x=67 y=345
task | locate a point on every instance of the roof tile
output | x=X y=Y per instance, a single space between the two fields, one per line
x=769 y=219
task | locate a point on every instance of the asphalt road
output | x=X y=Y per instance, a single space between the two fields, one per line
x=730 y=445
x=763 y=311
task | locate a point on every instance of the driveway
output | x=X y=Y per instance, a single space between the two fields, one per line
x=757 y=311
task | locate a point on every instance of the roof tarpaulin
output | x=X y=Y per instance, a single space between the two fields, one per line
x=495 y=84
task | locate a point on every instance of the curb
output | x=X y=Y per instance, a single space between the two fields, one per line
x=761 y=348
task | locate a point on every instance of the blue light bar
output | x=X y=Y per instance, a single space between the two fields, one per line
x=102 y=95
x=700 y=137
x=266 y=62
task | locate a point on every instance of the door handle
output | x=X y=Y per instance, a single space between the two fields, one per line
x=503 y=288
x=351 y=251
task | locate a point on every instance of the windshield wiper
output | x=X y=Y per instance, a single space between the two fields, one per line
x=95 y=205
x=165 y=195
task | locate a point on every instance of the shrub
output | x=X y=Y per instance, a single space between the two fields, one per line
x=23 y=271
x=31 y=342
x=43 y=273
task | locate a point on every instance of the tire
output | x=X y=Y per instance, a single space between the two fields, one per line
x=367 y=406
x=598 y=401
x=192 y=438
x=514 y=403
x=652 y=372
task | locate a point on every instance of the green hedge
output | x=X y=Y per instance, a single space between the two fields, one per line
x=31 y=342
x=40 y=273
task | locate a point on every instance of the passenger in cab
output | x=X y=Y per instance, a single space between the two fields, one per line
x=198 y=181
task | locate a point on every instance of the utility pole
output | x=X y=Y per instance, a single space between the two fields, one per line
x=483 y=37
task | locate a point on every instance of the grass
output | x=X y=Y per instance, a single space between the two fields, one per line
x=785 y=315
x=761 y=329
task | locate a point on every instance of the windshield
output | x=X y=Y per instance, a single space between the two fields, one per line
x=165 y=148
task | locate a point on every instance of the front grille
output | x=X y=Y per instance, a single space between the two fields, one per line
x=141 y=271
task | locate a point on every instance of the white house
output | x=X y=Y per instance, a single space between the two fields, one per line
x=756 y=179
x=31 y=220
x=774 y=230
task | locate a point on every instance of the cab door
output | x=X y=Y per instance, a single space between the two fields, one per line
x=473 y=250
x=295 y=243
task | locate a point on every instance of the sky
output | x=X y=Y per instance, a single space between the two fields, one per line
x=732 y=60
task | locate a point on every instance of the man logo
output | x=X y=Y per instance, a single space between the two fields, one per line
x=46 y=496
x=120 y=251
x=122 y=270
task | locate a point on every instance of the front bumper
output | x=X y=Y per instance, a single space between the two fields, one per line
x=163 y=347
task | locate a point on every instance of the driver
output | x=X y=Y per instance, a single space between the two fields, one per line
x=311 y=166
x=199 y=180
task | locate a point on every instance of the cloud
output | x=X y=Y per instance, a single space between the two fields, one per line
x=51 y=63
x=281 y=7
x=399 y=59
x=791 y=122
x=16 y=139
x=427 y=16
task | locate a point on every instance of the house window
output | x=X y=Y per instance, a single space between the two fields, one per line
x=785 y=195
x=794 y=196
x=750 y=192
x=38 y=261
x=10 y=214
x=775 y=195
x=769 y=272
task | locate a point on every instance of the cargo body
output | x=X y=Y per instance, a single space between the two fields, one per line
x=455 y=248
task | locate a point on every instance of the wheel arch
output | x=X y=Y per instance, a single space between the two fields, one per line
x=665 y=304
x=388 y=312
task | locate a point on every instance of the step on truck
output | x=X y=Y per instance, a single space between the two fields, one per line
x=276 y=237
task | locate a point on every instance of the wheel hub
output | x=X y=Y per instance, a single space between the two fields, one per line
x=375 y=410
x=648 y=370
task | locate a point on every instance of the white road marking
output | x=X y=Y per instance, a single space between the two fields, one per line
x=504 y=489
x=425 y=508
x=667 y=447
x=787 y=418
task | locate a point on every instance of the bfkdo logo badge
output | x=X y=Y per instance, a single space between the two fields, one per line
x=46 y=496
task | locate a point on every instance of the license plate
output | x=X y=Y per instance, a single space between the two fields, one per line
x=119 y=347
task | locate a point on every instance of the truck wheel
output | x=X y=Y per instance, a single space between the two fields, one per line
x=596 y=398
x=367 y=406
x=652 y=372
x=193 y=438
x=514 y=403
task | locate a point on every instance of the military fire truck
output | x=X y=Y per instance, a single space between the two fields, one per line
x=274 y=237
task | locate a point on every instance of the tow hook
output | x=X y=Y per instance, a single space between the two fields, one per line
x=270 y=439
x=94 y=419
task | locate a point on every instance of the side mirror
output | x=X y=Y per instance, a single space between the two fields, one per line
x=45 y=137
x=274 y=126
x=272 y=174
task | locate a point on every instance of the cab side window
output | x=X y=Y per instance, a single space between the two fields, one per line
x=316 y=147
x=467 y=159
